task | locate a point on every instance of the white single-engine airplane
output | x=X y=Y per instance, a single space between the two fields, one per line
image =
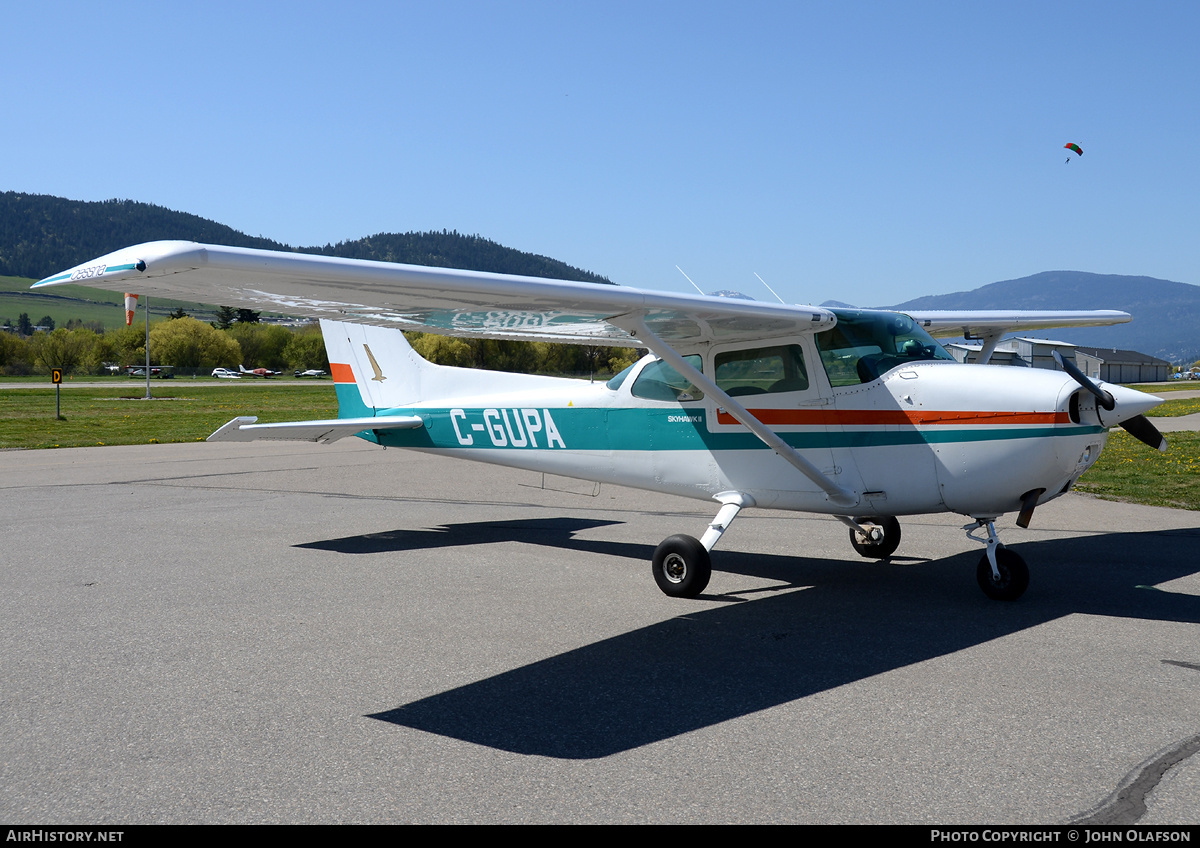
x=858 y=414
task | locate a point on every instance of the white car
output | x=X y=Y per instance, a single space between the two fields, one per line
x=226 y=374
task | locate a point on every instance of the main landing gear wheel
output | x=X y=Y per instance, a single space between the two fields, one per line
x=682 y=567
x=1014 y=576
x=883 y=548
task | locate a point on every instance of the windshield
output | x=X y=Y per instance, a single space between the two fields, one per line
x=865 y=345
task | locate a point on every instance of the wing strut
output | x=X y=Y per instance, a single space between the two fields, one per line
x=635 y=326
x=990 y=340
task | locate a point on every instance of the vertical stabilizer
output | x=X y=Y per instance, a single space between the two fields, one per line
x=375 y=368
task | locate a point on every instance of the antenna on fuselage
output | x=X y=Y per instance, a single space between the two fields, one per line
x=689 y=279
x=771 y=290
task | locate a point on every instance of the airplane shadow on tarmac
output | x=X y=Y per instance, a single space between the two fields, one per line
x=855 y=619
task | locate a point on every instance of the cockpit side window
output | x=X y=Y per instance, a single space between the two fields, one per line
x=865 y=345
x=763 y=370
x=659 y=381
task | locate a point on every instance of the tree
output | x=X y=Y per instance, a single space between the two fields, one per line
x=247 y=316
x=261 y=344
x=24 y=325
x=443 y=350
x=503 y=355
x=124 y=346
x=305 y=350
x=620 y=358
x=177 y=314
x=63 y=348
x=15 y=356
x=188 y=343
x=226 y=315
x=47 y=322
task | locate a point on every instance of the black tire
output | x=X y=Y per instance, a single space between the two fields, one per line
x=886 y=546
x=1014 y=576
x=682 y=567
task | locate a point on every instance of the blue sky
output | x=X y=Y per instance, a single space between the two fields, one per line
x=868 y=152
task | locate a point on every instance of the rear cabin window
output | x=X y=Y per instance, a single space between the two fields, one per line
x=659 y=381
x=618 y=379
x=763 y=370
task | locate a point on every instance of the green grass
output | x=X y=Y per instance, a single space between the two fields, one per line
x=1129 y=471
x=179 y=413
x=1159 y=388
x=63 y=303
x=61 y=310
x=1175 y=408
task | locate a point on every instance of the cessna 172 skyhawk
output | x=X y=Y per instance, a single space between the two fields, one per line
x=858 y=414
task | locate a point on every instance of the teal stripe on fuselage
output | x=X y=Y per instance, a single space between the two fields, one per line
x=644 y=429
x=350 y=402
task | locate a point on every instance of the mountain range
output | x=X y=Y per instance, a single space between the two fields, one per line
x=1166 y=314
x=41 y=234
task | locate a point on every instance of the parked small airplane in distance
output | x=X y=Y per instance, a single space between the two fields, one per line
x=257 y=372
x=859 y=414
x=311 y=372
x=165 y=372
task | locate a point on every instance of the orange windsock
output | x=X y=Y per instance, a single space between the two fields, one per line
x=130 y=305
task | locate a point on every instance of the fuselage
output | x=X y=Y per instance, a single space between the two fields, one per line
x=924 y=436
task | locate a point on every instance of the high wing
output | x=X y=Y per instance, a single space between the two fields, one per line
x=980 y=324
x=485 y=305
x=438 y=300
x=990 y=327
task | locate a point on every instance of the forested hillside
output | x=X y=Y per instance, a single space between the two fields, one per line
x=41 y=235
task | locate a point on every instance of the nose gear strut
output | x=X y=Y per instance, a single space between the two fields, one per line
x=1001 y=573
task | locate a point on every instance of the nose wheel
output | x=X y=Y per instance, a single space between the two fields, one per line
x=1001 y=574
x=1012 y=579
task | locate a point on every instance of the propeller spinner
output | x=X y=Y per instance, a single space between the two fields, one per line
x=1138 y=426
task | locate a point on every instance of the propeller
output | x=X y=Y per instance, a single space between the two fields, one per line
x=1138 y=426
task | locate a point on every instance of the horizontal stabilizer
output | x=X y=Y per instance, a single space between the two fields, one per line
x=244 y=428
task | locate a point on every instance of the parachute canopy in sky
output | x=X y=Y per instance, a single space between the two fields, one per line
x=1072 y=146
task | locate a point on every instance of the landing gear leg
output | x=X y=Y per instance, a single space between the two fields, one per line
x=682 y=565
x=1001 y=574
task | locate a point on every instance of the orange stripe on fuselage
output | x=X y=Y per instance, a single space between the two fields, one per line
x=341 y=373
x=894 y=417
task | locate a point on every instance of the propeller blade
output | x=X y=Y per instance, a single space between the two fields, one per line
x=1102 y=397
x=1141 y=429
